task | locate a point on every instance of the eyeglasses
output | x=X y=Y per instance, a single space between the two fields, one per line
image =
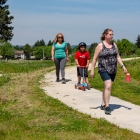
x=60 y=37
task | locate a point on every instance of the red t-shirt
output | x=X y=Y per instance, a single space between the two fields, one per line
x=82 y=57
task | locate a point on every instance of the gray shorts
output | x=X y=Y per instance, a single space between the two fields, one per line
x=80 y=72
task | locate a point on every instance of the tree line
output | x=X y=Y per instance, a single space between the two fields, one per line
x=40 y=49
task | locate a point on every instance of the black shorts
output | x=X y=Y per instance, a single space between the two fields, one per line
x=80 y=72
x=106 y=76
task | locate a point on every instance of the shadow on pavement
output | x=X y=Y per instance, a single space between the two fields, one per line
x=116 y=106
x=113 y=107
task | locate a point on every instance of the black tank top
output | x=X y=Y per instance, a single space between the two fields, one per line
x=108 y=59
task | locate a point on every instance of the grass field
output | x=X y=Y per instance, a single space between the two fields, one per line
x=27 y=113
x=126 y=91
x=23 y=66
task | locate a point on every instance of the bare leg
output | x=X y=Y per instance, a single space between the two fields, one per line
x=107 y=92
x=79 y=79
x=87 y=80
x=103 y=102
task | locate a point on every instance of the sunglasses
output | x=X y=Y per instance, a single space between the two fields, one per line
x=60 y=37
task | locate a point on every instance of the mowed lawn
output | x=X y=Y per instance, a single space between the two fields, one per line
x=121 y=89
x=27 y=113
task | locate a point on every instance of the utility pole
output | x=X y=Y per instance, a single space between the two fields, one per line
x=43 y=53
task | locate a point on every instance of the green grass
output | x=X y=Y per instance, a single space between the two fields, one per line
x=27 y=113
x=121 y=89
x=23 y=67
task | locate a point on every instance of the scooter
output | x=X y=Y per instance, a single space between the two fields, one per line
x=83 y=86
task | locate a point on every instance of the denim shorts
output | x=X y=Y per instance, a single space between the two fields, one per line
x=106 y=76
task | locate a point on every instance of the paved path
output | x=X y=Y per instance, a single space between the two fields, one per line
x=124 y=114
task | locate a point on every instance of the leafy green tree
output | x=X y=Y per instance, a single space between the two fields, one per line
x=138 y=51
x=27 y=50
x=138 y=41
x=126 y=47
x=5 y=20
x=7 y=50
x=47 y=52
x=38 y=52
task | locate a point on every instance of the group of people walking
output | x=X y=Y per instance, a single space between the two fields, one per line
x=107 y=55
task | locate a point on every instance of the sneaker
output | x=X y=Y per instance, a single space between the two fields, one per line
x=78 y=84
x=107 y=110
x=88 y=85
x=57 y=80
x=102 y=107
x=63 y=80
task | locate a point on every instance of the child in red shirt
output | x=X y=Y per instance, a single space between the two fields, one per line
x=82 y=58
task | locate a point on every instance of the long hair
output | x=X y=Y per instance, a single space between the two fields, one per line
x=105 y=33
x=56 y=38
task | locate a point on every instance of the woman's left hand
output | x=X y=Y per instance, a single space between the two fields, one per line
x=67 y=59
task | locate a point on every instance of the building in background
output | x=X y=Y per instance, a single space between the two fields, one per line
x=20 y=55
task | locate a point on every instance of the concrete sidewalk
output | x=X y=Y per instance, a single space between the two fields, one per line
x=124 y=114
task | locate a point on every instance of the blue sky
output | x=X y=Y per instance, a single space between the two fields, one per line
x=78 y=20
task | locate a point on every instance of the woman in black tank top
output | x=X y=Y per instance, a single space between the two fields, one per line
x=107 y=54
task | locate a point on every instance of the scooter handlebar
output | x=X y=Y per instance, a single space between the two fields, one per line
x=81 y=66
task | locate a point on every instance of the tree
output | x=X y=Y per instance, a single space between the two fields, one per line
x=5 y=20
x=42 y=42
x=39 y=43
x=138 y=41
x=92 y=48
x=27 y=50
x=48 y=52
x=7 y=50
x=69 y=48
x=38 y=52
x=126 y=47
x=50 y=43
x=17 y=47
x=75 y=49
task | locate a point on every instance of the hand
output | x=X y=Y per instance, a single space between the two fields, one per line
x=52 y=59
x=87 y=66
x=124 y=69
x=92 y=74
x=67 y=59
x=78 y=65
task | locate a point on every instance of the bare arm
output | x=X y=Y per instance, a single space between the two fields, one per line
x=120 y=61
x=88 y=63
x=52 y=52
x=95 y=57
x=76 y=61
x=66 y=50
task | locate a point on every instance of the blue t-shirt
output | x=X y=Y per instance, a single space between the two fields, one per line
x=60 y=50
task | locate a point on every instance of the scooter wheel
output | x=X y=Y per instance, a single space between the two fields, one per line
x=75 y=86
x=83 y=88
x=79 y=88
